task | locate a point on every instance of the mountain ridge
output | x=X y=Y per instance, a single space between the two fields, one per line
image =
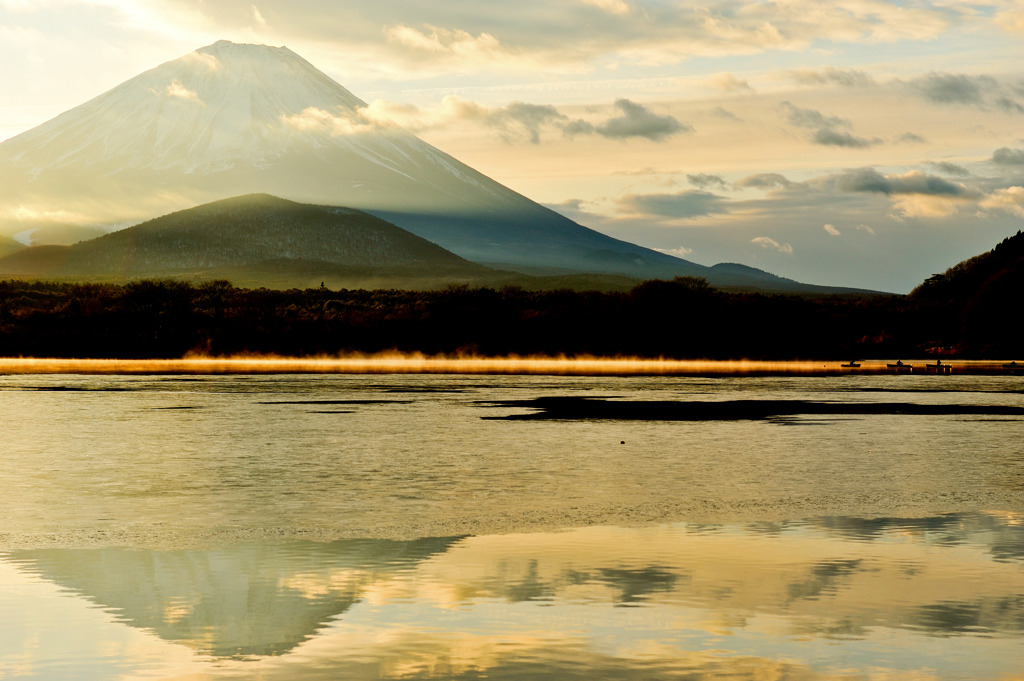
x=262 y=240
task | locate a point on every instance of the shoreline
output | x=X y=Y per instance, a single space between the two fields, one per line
x=537 y=366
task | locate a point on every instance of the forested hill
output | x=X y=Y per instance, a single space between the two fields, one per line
x=998 y=272
x=976 y=303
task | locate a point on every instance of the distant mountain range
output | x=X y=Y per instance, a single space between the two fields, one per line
x=262 y=240
x=968 y=312
x=230 y=120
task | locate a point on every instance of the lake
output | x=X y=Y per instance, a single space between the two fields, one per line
x=512 y=527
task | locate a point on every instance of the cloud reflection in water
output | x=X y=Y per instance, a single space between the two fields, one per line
x=828 y=598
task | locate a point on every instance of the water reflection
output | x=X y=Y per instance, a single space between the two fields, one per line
x=829 y=598
x=232 y=601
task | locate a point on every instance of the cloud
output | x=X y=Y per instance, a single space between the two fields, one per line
x=23 y=213
x=949 y=168
x=956 y=88
x=1009 y=105
x=913 y=182
x=318 y=121
x=1005 y=156
x=435 y=40
x=568 y=204
x=826 y=133
x=950 y=88
x=522 y=119
x=178 y=91
x=911 y=138
x=577 y=210
x=638 y=121
x=809 y=118
x=649 y=170
x=764 y=181
x=685 y=204
x=830 y=229
x=703 y=181
x=865 y=228
x=681 y=252
x=258 y=17
x=577 y=34
x=771 y=244
x=1009 y=201
x=913 y=194
x=535 y=36
x=839 y=138
x=722 y=112
x=727 y=82
x=610 y=6
x=830 y=75
x=518 y=121
x=1011 y=20
x=206 y=59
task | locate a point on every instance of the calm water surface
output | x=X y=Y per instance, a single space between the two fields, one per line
x=412 y=527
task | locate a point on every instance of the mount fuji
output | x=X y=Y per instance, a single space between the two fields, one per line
x=232 y=119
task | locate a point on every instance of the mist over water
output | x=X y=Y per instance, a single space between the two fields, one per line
x=456 y=526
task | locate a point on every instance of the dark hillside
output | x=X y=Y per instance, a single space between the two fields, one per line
x=974 y=306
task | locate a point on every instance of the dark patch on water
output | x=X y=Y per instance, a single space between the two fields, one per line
x=82 y=389
x=959 y=389
x=589 y=408
x=423 y=390
x=331 y=412
x=800 y=421
x=176 y=408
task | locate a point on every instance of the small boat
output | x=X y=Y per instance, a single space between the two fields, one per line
x=901 y=368
x=1014 y=368
x=852 y=364
x=938 y=368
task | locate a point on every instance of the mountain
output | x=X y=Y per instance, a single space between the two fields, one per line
x=255 y=239
x=736 y=276
x=232 y=119
x=205 y=599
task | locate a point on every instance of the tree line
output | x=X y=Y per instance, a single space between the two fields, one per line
x=681 y=318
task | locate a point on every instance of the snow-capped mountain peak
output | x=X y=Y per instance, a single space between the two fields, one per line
x=216 y=107
x=232 y=119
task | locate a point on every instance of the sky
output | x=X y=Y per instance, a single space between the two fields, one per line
x=865 y=143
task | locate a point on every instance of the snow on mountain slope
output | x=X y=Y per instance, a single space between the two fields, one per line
x=233 y=119
x=212 y=109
